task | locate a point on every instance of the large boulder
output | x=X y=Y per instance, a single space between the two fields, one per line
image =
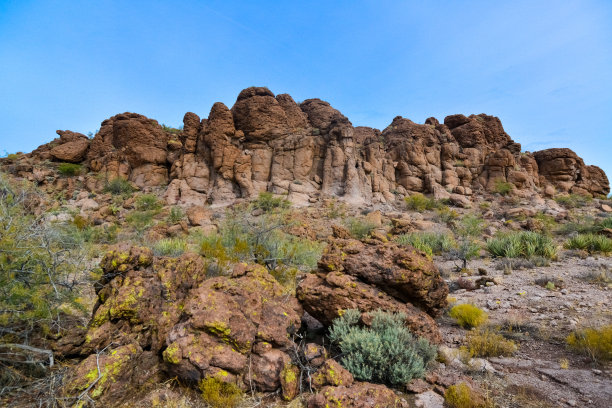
x=72 y=148
x=358 y=395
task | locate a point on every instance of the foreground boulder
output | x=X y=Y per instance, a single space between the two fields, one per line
x=375 y=275
x=177 y=321
x=358 y=395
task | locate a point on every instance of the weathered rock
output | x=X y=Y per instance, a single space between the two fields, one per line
x=72 y=148
x=359 y=395
x=331 y=373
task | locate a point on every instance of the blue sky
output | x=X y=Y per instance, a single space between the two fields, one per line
x=543 y=67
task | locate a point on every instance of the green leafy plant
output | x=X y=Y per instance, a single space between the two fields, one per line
x=573 y=200
x=418 y=202
x=119 y=186
x=594 y=342
x=468 y=315
x=359 y=227
x=169 y=247
x=502 y=187
x=147 y=202
x=468 y=229
x=386 y=352
x=591 y=243
x=526 y=244
x=69 y=169
x=429 y=242
x=220 y=394
x=268 y=202
x=176 y=215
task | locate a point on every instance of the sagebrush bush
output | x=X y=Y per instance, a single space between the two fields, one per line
x=69 y=169
x=462 y=396
x=503 y=187
x=268 y=202
x=525 y=244
x=468 y=315
x=220 y=394
x=431 y=243
x=169 y=247
x=418 y=202
x=386 y=352
x=592 y=243
x=359 y=227
x=594 y=342
x=487 y=343
x=118 y=186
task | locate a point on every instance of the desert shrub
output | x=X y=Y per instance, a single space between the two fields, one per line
x=544 y=223
x=592 y=243
x=386 y=352
x=594 y=342
x=418 y=202
x=606 y=223
x=118 y=186
x=550 y=282
x=526 y=244
x=503 y=187
x=429 y=242
x=462 y=396
x=13 y=156
x=468 y=315
x=169 y=247
x=268 y=202
x=573 y=200
x=170 y=129
x=37 y=266
x=359 y=228
x=176 y=215
x=446 y=215
x=263 y=241
x=468 y=229
x=487 y=343
x=336 y=209
x=140 y=220
x=69 y=169
x=80 y=222
x=147 y=202
x=601 y=277
x=220 y=394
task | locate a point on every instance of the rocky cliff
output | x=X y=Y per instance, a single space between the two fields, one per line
x=308 y=150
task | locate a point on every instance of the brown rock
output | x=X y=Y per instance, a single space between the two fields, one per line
x=73 y=147
x=331 y=373
x=359 y=395
x=199 y=215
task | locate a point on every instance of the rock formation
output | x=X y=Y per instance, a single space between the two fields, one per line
x=309 y=150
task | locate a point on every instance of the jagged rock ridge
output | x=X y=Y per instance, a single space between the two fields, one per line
x=271 y=143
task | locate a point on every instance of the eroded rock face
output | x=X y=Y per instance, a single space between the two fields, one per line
x=236 y=328
x=375 y=275
x=358 y=395
x=270 y=143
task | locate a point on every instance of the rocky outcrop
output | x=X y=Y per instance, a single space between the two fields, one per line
x=166 y=316
x=375 y=275
x=270 y=143
x=359 y=395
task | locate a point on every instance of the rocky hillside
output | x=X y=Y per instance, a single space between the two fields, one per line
x=273 y=255
x=270 y=143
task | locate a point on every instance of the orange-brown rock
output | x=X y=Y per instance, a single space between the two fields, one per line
x=310 y=151
x=358 y=395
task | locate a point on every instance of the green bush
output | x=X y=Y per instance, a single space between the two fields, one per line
x=468 y=315
x=268 y=202
x=140 y=220
x=526 y=244
x=118 y=186
x=69 y=169
x=573 y=200
x=176 y=215
x=360 y=228
x=429 y=242
x=592 y=243
x=260 y=240
x=503 y=187
x=169 y=247
x=220 y=394
x=386 y=352
x=606 y=223
x=147 y=202
x=418 y=202
x=468 y=230
x=594 y=342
